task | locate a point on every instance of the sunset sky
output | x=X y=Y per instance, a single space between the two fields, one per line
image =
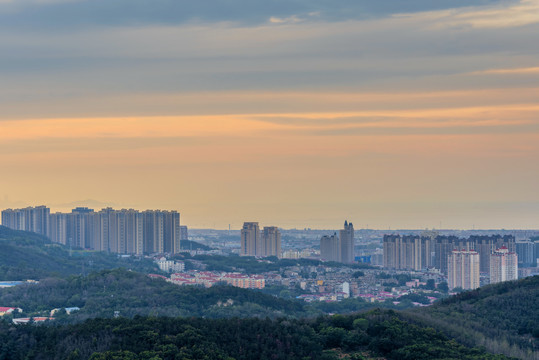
x=401 y=114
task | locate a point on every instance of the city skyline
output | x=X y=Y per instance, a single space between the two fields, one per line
x=236 y=225
x=124 y=231
x=396 y=114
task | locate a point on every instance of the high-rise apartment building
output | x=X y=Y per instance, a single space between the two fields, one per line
x=503 y=265
x=79 y=229
x=154 y=231
x=346 y=237
x=271 y=239
x=125 y=231
x=483 y=245
x=134 y=232
x=9 y=219
x=526 y=254
x=409 y=252
x=41 y=220
x=250 y=239
x=184 y=233
x=330 y=248
x=105 y=222
x=171 y=232
x=34 y=219
x=486 y=245
x=444 y=245
x=260 y=243
x=463 y=269
x=340 y=247
x=58 y=228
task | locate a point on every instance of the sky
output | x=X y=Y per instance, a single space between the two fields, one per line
x=292 y=113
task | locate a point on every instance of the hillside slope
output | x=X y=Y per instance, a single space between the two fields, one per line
x=371 y=335
x=102 y=293
x=503 y=317
x=25 y=255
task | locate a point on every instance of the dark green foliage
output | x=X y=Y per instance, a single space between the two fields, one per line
x=252 y=265
x=502 y=317
x=131 y=293
x=378 y=333
x=419 y=298
x=102 y=293
x=193 y=245
x=443 y=287
x=348 y=306
x=25 y=255
x=403 y=278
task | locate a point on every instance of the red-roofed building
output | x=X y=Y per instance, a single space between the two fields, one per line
x=155 y=276
x=8 y=310
x=27 y=320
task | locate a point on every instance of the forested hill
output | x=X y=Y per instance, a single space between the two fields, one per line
x=193 y=245
x=102 y=293
x=373 y=335
x=503 y=317
x=25 y=255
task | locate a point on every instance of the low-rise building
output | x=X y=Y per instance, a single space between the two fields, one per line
x=38 y=319
x=8 y=310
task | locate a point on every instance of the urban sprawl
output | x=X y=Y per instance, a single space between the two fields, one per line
x=373 y=265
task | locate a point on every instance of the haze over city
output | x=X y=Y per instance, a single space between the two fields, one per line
x=279 y=179
x=401 y=114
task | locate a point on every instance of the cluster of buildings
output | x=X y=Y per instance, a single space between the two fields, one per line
x=463 y=268
x=328 y=283
x=125 y=231
x=267 y=242
x=300 y=254
x=8 y=310
x=461 y=259
x=260 y=243
x=339 y=248
x=35 y=319
x=170 y=265
x=327 y=297
x=415 y=252
x=528 y=253
x=208 y=279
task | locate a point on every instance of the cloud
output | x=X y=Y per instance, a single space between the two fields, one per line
x=523 y=13
x=492 y=16
x=289 y=20
x=62 y=14
x=514 y=71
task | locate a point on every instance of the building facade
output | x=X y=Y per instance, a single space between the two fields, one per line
x=526 y=254
x=271 y=238
x=463 y=269
x=330 y=248
x=184 y=233
x=503 y=265
x=409 y=252
x=346 y=237
x=250 y=239
x=125 y=231
x=260 y=243
x=340 y=247
x=483 y=245
x=34 y=219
